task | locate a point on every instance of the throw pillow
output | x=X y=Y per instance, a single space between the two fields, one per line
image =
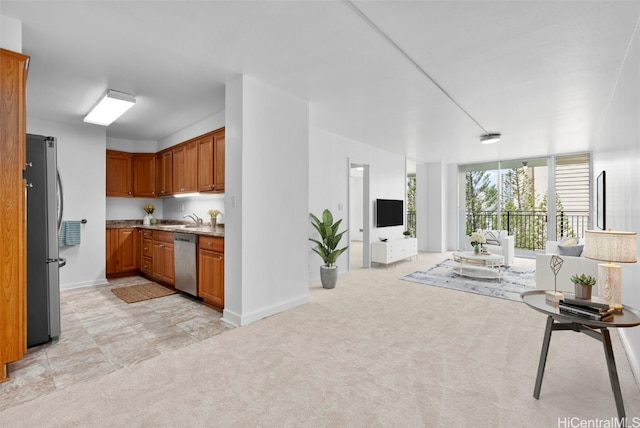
x=492 y=237
x=567 y=242
x=570 y=250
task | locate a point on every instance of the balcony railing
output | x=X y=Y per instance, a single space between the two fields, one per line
x=529 y=227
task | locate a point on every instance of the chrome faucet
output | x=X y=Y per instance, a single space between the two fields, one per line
x=195 y=218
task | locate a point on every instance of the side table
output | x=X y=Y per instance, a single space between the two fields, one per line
x=598 y=330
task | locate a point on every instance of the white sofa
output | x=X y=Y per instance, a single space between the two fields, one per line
x=570 y=266
x=498 y=242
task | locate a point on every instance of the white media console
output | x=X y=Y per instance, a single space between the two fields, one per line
x=393 y=250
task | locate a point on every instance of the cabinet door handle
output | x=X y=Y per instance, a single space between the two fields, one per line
x=219 y=257
x=209 y=243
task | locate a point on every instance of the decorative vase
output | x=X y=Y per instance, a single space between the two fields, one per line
x=328 y=276
x=146 y=220
x=152 y=219
x=582 y=291
x=214 y=221
x=476 y=249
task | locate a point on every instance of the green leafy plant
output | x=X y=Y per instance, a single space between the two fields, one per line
x=583 y=279
x=327 y=247
x=407 y=232
x=214 y=213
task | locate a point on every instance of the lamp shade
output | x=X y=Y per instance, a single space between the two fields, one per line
x=610 y=245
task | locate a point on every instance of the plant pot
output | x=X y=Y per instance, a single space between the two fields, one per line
x=328 y=276
x=476 y=249
x=582 y=291
x=214 y=221
x=146 y=220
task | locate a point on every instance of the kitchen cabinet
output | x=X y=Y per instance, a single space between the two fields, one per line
x=121 y=256
x=164 y=173
x=185 y=170
x=211 y=270
x=211 y=162
x=144 y=175
x=13 y=256
x=119 y=174
x=146 y=251
x=162 y=259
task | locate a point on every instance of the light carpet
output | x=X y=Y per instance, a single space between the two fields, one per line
x=514 y=280
x=375 y=351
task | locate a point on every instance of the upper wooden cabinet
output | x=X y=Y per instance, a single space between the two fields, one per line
x=196 y=165
x=164 y=173
x=13 y=228
x=211 y=162
x=144 y=175
x=185 y=171
x=119 y=174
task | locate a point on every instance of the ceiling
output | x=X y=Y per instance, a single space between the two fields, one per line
x=541 y=73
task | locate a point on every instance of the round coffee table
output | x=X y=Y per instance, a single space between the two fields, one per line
x=484 y=266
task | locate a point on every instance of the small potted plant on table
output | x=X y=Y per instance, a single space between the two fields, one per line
x=407 y=233
x=214 y=217
x=583 y=285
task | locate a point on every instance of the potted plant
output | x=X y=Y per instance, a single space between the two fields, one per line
x=477 y=240
x=327 y=246
x=214 y=217
x=148 y=218
x=583 y=285
x=407 y=233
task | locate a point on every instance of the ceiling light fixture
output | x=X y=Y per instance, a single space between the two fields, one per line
x=109 y=108
x=487 y=138
x=490 y=138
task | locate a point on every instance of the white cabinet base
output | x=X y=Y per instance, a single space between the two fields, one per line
x=393 y=250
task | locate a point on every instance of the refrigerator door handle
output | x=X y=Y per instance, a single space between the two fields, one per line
x=61 y=262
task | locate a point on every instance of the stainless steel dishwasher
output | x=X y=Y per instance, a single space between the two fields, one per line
x=185 y=262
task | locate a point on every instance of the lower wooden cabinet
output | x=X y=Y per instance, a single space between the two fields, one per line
x=162 y=259
x=121 y=254
x=211 y=270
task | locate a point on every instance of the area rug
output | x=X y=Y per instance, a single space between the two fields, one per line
x=514 y=281
x=140 y=292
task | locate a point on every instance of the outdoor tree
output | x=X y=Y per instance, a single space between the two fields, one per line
x=481 y=200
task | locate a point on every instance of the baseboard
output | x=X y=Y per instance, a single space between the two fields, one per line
x=242 y=320
x=634 y=360
x=73 y=285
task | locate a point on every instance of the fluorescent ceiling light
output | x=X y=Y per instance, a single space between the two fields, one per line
x=490 y=138
x=111 y=107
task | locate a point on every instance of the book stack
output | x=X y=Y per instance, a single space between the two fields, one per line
x=593 y=310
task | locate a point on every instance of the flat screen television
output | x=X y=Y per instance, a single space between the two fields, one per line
x=389 y=212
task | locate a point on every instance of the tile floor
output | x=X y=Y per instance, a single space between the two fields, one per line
x=101 y=334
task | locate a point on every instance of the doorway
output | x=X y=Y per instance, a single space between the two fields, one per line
x=359 y=215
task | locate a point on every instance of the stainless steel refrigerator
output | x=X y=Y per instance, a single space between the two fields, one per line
x=44 y=212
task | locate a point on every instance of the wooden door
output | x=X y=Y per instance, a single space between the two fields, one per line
x=126 y=250
x=144 y=175
x=112 y=251
x=211 y=277
x=13 y=228
x=168 y=273
x=119 y=170
x=164 y=173
x=205 y=164
x=218 y=159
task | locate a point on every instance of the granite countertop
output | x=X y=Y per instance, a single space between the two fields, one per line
x=169 y=226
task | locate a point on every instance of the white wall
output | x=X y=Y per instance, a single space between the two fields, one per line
x=177 y=208
x=329 y=157
x=10 y=34
x=84 y=186
x=132 y=208
x=132 y=146
x=211 y=123
x=616 y=150
x=268 y=139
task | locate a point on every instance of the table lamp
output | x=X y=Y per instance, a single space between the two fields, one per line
x=611 y=246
